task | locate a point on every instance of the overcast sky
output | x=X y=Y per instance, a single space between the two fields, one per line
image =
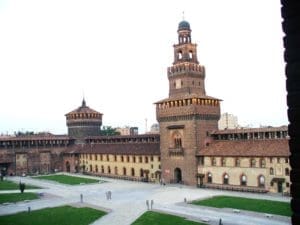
x=117 y=53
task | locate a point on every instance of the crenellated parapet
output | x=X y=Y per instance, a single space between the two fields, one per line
x=203 y=106
x=187 y=68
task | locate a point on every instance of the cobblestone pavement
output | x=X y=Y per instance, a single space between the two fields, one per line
x=128 y=201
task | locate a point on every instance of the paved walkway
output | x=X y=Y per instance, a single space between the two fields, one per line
x=129 y=202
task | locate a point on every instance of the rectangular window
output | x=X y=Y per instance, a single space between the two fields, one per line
x=223 y=162
x=107 y=157
x=201 y=160
x=115 y=158
x=286 y=160
x=237 y=162
x=151 y=158
x=140 y=159
x=214 y=161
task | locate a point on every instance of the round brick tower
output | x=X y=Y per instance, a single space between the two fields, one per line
x=83 y=122
x=187 y=115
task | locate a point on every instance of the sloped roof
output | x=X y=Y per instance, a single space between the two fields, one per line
x=83 y=109
x=187 y=96
x=272 y=147
x=117 y=149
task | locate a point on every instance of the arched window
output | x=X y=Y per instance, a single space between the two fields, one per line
x=108 y=169
x=287 y=171
x=177 y=140
x=225 y=179
x=134 y=159
x=116 y=170
x=243 y=180
x=190 y=54
x=209 y=178
x=179 y=55
x=102 y=169
x=132 y=172
x=124 y=171
x=141 y=172
x=146 y=159
x=261 y=181
x=96 y=168
x=271 y=171
x=128 y=159
x=122 y=158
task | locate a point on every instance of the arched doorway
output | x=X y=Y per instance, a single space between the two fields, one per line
x=261 y=181
x=225 y=179
x=177 y=175
x=68 y=167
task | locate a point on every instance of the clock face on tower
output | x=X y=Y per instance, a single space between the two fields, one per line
x=178 y=83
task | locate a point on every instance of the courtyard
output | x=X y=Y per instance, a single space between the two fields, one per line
x=128 y=201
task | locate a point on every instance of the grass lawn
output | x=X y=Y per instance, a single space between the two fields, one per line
x=256 y=205
x=64 y=215
x=16 y=197
x=9 y=185
x=65 y=179
x=155 y=218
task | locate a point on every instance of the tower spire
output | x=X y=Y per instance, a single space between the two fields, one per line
x=83 y=100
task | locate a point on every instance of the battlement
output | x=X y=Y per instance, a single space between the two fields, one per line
x=184 y=68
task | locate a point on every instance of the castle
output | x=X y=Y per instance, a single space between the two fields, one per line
x=188 y=150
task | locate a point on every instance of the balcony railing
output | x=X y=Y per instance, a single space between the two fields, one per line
x=176 y=151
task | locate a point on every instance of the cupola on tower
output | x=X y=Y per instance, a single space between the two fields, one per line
x=187 y=115
x=186 y=76
x=83 y=122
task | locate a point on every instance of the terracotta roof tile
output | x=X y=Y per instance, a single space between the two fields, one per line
x=119 y=149
x=187 y=96
x=249 y=130
x=273 y=147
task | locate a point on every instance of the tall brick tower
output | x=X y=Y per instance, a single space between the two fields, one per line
x=187 y=115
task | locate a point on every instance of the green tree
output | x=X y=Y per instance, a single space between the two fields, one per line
x=109 y=131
